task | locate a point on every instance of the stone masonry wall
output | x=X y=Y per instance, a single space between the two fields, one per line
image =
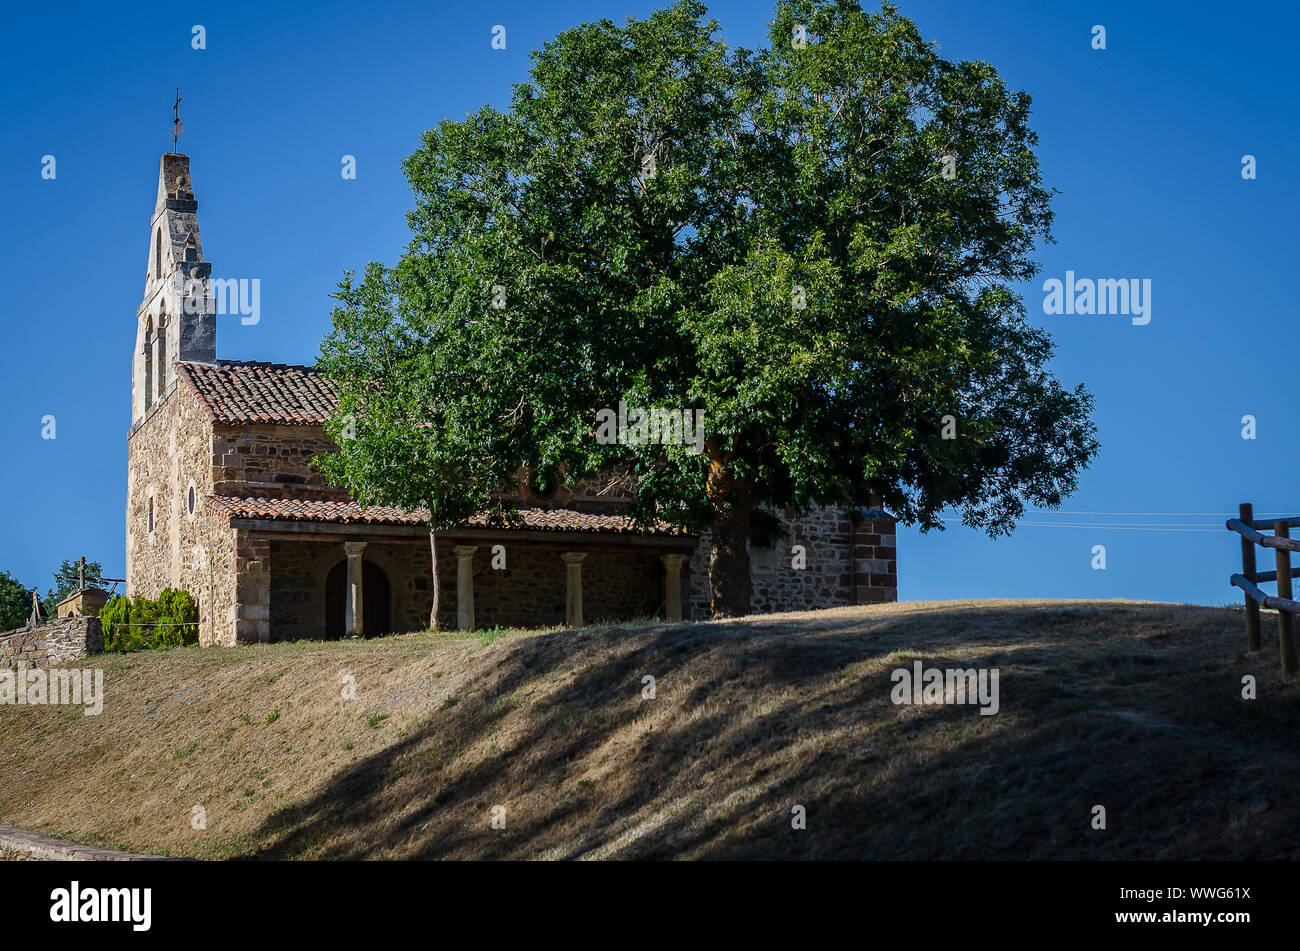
x=266 y=460
x=249 y=616
x=151 y=448
x=51 y=643
x=170 y=450
x=845 y=565
x=530 y=592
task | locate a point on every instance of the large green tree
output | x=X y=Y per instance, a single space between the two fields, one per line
x=816 y=244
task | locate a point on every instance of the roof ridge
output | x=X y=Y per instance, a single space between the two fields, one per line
x=268 y=364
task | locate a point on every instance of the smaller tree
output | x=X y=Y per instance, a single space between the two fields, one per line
x=15 y=602
x=400 y=442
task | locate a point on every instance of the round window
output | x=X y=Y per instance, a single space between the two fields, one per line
x=189 y=500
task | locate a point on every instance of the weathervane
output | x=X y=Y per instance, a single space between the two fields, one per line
x=177 y=126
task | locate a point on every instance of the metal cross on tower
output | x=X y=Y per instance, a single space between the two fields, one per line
x=177 y=126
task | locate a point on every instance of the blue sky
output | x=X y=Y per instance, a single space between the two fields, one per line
x=1144 y=140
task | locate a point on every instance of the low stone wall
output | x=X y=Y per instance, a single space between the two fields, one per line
x=51 y=643
x=18 y=845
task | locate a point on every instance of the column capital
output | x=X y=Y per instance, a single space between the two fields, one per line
x=674 y=559
x=465 y=551
x=574 y=557
x=354 y=548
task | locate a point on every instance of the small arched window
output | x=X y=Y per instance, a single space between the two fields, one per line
x=157 y=255
x=151 y=522
x=190 y=499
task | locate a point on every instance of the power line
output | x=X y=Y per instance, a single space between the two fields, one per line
x=1127 y=527
x=1188 y=527
x=1120 y=526
x=1156 y=514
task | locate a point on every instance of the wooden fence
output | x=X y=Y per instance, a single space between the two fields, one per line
x=1250 y=579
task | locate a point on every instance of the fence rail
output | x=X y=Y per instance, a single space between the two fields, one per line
x=117 y=624
x=1250 y=579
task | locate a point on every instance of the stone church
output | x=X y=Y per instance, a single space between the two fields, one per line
x=223 y=501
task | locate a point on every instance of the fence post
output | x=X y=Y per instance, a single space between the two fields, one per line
x=1285 y=643
x=1247 y=514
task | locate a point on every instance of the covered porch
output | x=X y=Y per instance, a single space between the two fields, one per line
x=311 y=578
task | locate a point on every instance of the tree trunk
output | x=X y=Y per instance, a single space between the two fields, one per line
x=730 y=593
x=433 y=551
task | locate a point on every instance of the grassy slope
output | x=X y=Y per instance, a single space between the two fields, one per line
x=1132 y=705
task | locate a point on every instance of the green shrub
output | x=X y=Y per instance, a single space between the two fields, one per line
x=178 y=616
x=118 y=611
x=173 y=614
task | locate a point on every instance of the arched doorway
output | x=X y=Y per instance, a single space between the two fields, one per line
x=376 y=600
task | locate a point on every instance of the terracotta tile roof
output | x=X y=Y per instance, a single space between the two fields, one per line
x=336 y=512
x=238 y=391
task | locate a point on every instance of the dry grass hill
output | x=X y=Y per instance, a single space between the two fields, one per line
x=1132 y=705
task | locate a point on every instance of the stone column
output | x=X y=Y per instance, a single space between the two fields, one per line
x=353 y=620
x=250 y=610
x=573 y=602
x=465 y=586
x=673 y=585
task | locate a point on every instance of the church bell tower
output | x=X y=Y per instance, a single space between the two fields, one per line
x=177 y=318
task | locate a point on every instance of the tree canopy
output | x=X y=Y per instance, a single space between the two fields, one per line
x=815 y=244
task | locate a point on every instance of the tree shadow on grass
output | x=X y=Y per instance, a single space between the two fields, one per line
x=1122 y=708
